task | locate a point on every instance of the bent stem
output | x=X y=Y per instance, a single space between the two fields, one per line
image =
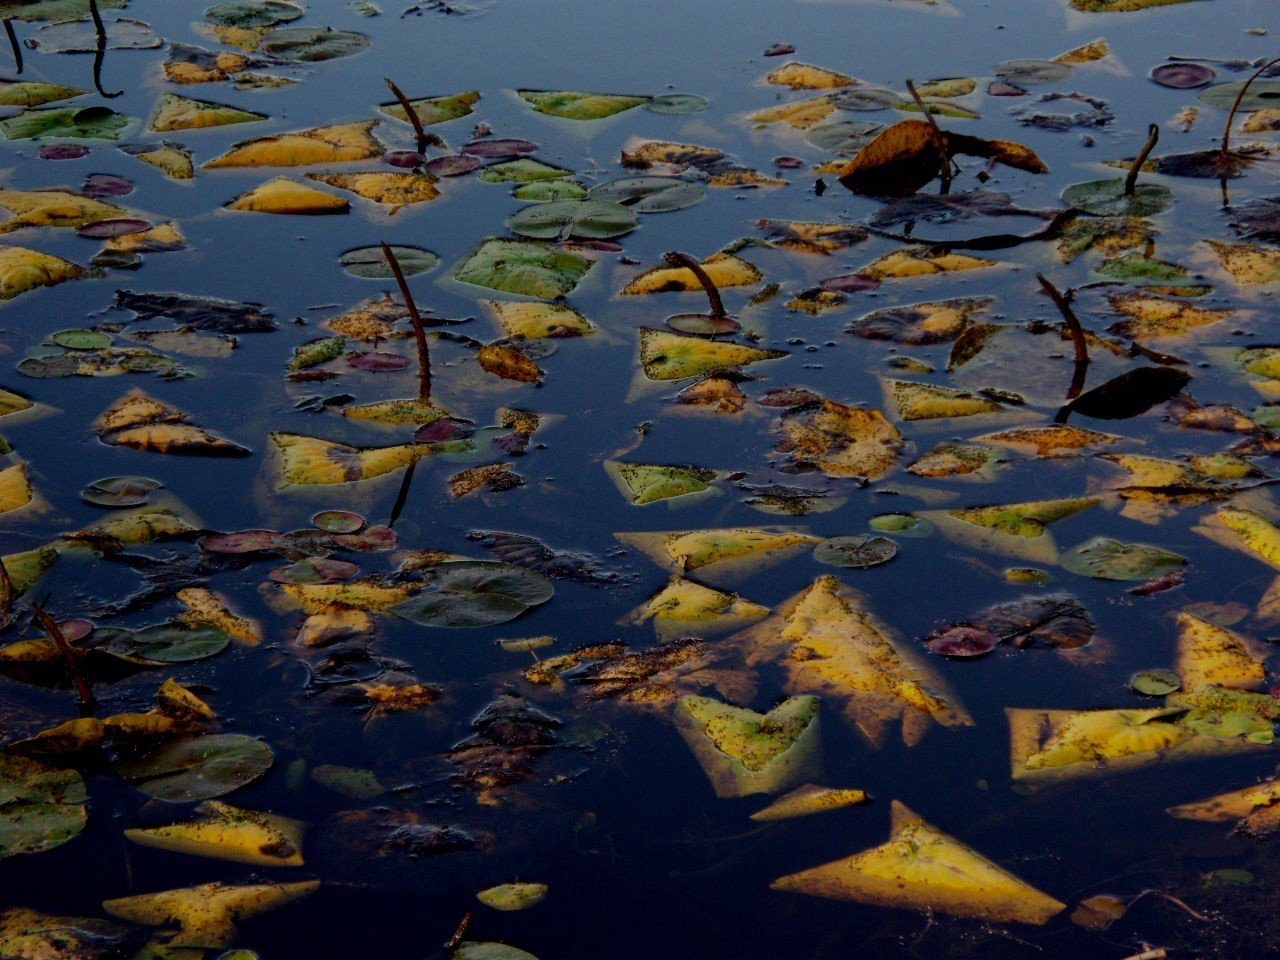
x=100 y=51
x=419 y=334
x=1131 y=179
x=14 y=46
x=678 y=259
x=1063 y=303
x=410 y=114
x=1231 y=114
x=83 y=693
x=939 y=139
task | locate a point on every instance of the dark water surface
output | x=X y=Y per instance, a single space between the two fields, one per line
x=615 y=816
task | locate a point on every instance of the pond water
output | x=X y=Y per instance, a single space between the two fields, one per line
x=1025 y=604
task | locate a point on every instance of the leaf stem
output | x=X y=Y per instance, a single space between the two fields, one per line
x=100 y=51
x=410 y=114
x=419 y=334
x=939 y=138
x=1231 y=114
x=1063 y=303
x=14 y=46
x=678 y=259
x=83 y=693
x=1131 y=179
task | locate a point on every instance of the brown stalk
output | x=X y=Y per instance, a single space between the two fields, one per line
x=1081 y=369
x=410 y=114
x=6 y=595
x=1131 y=179
x=100 y=29
x=1231 y=114
x=678 y=259
x=419 y=334
x=14 y=46
x=460 y=932
x=939 y=139
x=49 y=626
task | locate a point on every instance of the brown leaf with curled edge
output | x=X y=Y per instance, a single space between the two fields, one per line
x=493 y=477
x=508 y=364
x=1053 y=621
x=1098 y=913
x=904 y=157
x=138 y=421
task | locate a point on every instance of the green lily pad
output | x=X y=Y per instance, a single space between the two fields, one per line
x=81 y=339
x=313 y=44
x=1155 y=683
x=41 y=807
x=81 y=36
x=648 y=483
x=678 y=103
x=369 y=263
x=856 y=552
x=197 y=768
x=34 y=93
x=651 y=194
x=52 y=9
x=1106 y=198
x=252 y=13
x=167 y=643
x=435 y=109
x=482 y=950
x=1135 y=266
x=1262 y=93
x=903 y=524
x=584 y=219
x=79 y=123
x=525 y=267
x=1106 y=559
x=843 y=136
x=743 y=752
x=476 y=593
x=545 y=191
x=315 y=352
x=120 y=491
x=571 y=105
x=522 y=170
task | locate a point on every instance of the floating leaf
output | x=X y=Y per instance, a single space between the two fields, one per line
x=310 y=460
x=197 y=768
x=371 y=264
x=41 y=807
x=670 y=356
x=806 y=800
x=513 y=896
x=585 y=219
x=173 y=112
x=743 y=752
x=431 y=110
x=22 y=270
x=337 y=144
x=392 y=189
x=1106 y=198
x=224 y=832
x=648 y=483
x=1106 y=559
x=206 y=916
x=724 y=270
x=927 y=401
x=523 y=267
x=138 y=421
x=579 y=106
x=1132 y=393
x=1248 y=263
x=858 y=552
x=475 y=593
x=313 y=44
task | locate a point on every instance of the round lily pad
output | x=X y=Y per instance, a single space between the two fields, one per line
x=312 y=44
x=1106 y=559
x=452 y=165
x=476 y=593
x=1033 y=71
x=903 y=524
x=338 y=521
x=167 y=643
x=545 y=191
x=1182 y=76
x=120 y=491
x=106 y=185
x=378 y=361
x=1106 y=198
x=43 y=806
x=587 y=219
x=843 y=136
x=81 y=339
x=1155 y=683
x=1261 y=93
x=244 y=541
x=63 y=151
x=678 y=103
x=377 y=538
x=49 y=368
x=499 y=148
x=315 y=570
x=650 y=194
x=703 y=324
x=961 y=641
x=865 y=99
x=252 y=13
x=198 y=768
x=849 y=283
x=368 y=263
x=115 y=227
x=856 y=552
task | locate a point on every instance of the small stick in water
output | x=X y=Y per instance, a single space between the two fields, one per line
x=100 y=52
x=410 y=114
x=1063 y=303
x=49 y=626
x=1131 y=179
x=14 y=46
x=939 y=139
x=460 y=932
x=678 y=259
x=1231 y=114
x=419 y=334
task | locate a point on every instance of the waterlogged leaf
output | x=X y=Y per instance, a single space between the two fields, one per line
x=310 y=460
x=648 y=483
x=584 y=219
x=922 y=323
x=1155 y=683
x=677 y=103
x=1210 y=654
x=22 y=270
x=739 y=550
x=224 y=832
x=337 y=144
x=953 y=460
x=857 y=552
x=475 y=593
x=1263 y=92
x=826 y=643
x=841 y=441
x=546 y=191
x=1106 y=559
x=166 y=643
x=526 y=320
x=1136 y=266
x=1247 y=530
x=206 y=916
x=1132 y=393
x=523 y=170
x=927 y=401
x=431 y=110
x=809 y=237
x=1033 y=71
x=28 y=93
x=508 y=363
x=370 y=263
x=921 y=868
x=683 y=608
x=196 y=768
x=725 y=270
x=41 y=807
x=579 y=106
x=806 y=800
x=173 y=112
x=523 y=267
x=27 y=934
x=81 y=36
x=53 y=208
x=671 y=356
x=800 y=114
x=1056 y=621
x=283 y=195
x=483 y=950
x=922 y=262
x=120 y=491
x=1109 y=236
x=313 y=44
x=143 y=423
x=315 y=352
x=805 y=76
x=1248 y=263
x=743 y=752
x=189 y=64
x=1106 y=198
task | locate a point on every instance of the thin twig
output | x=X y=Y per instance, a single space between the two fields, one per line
x=678 y=259
x=1231 y=114
x=410 y=114
x=402 y=495
x=419 y=334
x=14 y=46
x=6 y=595
x=939 y=139
x=47 y=623
x=1172 y=899
x=1131 y=179
x=1156 y=953
x=1063 y=303
x=460 y=932
x=100 y=51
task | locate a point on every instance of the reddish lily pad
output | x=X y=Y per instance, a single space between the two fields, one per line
x=961 y=641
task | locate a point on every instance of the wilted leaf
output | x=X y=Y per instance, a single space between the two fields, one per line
x=288 y=196
x=743 y=752
x=206 y=916
x=579 y=106
x=336 y=144
x=671 y=356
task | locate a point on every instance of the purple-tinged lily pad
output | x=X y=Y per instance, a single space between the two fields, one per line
x=961 y=641
x=116 y=227
x=106 y=185
x=244 y=541
x=499 y=148
x=446 y=428
x=375 y=539
x=315 y=570
x=1183 y=76
x=452 y=165
x=376 y=361
x=63 y=151
x=404 y=159
x=338 y=521
x=849 y=283
x=73 y=631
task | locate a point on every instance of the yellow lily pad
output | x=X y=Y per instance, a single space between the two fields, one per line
x=1210 y=654
x=139 y=421
x=928 y=401
x=922 y=262
x=206 y=916
x=737 y=549
x=310 y=460
x=724 y=270
x=805 y=76
x=527 y=320
x=224 y=832
x=22 y=270
x=392 y=189
x=673 y=356
x=288 y=196
x=1248 y=263
x=683 y=608
x=53 y=208
x=173 y=112
x=808 y=799
x=341 y=143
